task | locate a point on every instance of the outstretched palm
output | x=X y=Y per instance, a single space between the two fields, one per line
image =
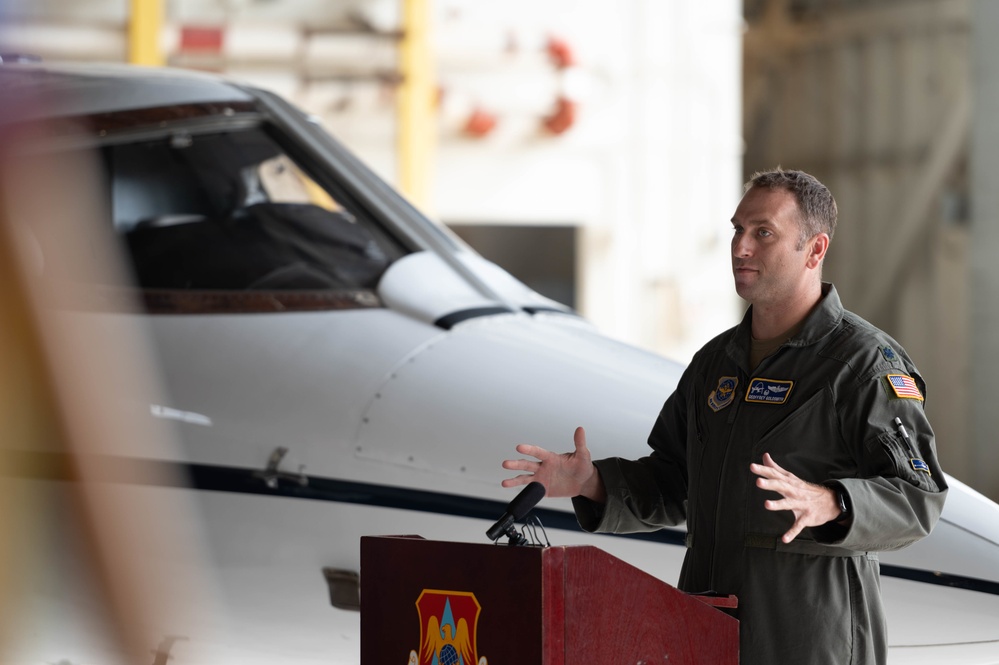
x=562 y=474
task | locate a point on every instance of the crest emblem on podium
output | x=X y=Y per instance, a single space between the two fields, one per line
x=448 y=623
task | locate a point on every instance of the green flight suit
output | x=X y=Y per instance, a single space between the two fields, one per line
x=824 y=407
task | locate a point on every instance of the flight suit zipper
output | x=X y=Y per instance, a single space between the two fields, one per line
x=722 y=473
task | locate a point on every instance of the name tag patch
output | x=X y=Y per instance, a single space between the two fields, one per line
x=768 y=391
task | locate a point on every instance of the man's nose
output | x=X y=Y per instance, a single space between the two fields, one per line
x=742 y=246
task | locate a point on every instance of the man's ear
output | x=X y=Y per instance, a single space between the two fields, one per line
x=818 y=245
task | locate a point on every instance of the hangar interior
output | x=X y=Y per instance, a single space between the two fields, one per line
x=612 y=140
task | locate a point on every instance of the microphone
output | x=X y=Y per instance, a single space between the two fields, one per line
x=517 y=509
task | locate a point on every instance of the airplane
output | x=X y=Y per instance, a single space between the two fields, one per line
x=317 y=361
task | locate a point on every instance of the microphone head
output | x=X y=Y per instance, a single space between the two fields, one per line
x=526 y=500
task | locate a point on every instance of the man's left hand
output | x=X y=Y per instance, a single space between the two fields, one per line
x=811 y=504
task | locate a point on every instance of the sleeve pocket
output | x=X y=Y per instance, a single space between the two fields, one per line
x=897 y=459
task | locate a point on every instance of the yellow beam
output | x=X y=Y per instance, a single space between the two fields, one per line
x=145 y=27
x=417 y=124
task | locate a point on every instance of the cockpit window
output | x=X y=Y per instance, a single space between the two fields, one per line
x=232 y=212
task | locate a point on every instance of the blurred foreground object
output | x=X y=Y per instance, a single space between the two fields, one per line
x=96 y=566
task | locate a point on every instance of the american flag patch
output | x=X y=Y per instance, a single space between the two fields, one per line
x=904 y=386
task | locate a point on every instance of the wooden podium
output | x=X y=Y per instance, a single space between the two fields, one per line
x=500 y=605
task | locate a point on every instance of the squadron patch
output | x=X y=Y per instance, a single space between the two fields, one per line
x=904 y=386
x=448 y=625
x=723 y=395
x=768 y=391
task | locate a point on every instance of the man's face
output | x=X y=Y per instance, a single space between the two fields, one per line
x=766 y=262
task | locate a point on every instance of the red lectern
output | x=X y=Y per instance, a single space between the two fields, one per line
x=427 y=602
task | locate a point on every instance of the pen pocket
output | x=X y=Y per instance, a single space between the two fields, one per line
x=906 y=464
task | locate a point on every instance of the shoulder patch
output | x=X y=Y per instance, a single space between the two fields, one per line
x=888 y=353
x=903 y=386
x=723 y=395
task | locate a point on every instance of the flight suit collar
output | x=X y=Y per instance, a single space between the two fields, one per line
x=821 y=322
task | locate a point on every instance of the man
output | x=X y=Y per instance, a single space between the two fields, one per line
x=795 y=447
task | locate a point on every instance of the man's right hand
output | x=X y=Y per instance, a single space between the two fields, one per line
x=567 y=474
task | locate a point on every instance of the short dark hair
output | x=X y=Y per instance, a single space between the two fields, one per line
x=815 y=201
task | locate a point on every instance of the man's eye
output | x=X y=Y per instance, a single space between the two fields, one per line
x=764 y=233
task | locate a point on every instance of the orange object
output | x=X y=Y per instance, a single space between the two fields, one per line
x=562 y=118
x=480 y=123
